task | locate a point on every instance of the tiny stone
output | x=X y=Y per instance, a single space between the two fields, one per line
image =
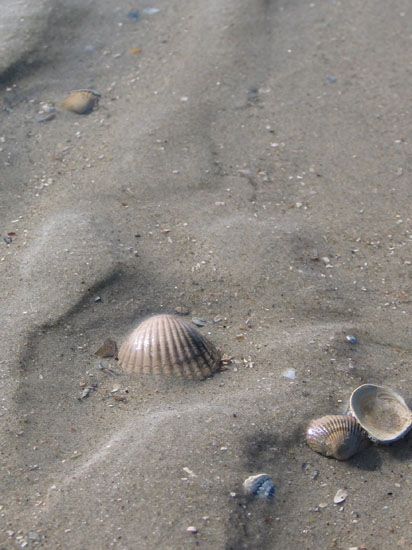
x=192 y=530
x=325 y=260
x=323 y=505
x=97 y=299
x=352 y=339
x=290 y=374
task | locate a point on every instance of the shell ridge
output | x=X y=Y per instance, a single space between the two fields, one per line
x=176 y=359
x=190 y=352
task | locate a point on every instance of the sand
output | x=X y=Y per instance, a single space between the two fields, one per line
x=252 y=163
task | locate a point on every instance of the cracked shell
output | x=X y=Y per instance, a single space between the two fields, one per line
x=171 y=346
x=381 y=411
x=337 y=436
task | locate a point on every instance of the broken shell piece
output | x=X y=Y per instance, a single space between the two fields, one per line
x=337 y=436
x=108 y=349
x=340 y=496
x=169 y=345
x=381 y=411
x=260 y=486
x=81 y=101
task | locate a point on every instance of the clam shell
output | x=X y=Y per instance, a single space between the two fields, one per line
x=260 y=486
x=337 y=436
x=81 y=101
x=169 y=345
x=381 y=411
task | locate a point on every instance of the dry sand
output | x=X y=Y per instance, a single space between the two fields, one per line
x=265 y=136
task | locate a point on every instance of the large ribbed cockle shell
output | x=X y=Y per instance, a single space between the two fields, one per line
x=337 y=436
x=381 y=411
x=169 y=345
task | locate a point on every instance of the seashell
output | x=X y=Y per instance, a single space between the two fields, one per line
x=381 y=412
x=108 y=349
x=260 y=486
x=169 y=345
x=81 y=101
x=337 y=436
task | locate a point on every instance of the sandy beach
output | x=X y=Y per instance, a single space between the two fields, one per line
x=250 y=161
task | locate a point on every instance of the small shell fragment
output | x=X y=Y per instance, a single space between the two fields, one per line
x=169 y=345
x=108 y=349
x=341 y=496
x=381 y=411
x=260 y=486
x=81 y=101
x=337 y=436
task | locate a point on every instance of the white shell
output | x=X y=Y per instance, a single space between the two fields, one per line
x=169 y=345
x=381 y=412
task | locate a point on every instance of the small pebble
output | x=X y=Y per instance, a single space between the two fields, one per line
x=192 y=530
x=352 y=339
x=151 y=11
x=290 y=374
x=133 y=15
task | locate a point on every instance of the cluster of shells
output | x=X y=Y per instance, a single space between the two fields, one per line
x=171 y=346
x=375 y=413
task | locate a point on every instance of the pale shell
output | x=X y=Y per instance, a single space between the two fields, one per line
x=169 y=345
x=381 y=411
x=337 y=436
x=81 y=101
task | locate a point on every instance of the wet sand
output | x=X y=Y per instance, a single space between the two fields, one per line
x=252 y=163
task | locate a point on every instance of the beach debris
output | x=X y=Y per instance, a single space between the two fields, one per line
x=260 y=486
x=337 y=436
x=199 y=322
x=226 y=359
x=151 y=11
x=341 y=496
x=97 y=299
x=81 y=102
x=381 y=412
x=107 y=370
x=108 y=349
x=169 y=345
x=182 y=310
x=47 y=112
x=352 y=339
x=133 y=15
x=307 y=469
x=192 y=529
x=290 y=374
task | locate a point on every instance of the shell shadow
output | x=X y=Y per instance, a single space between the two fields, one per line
x=368 y=460
x=401 y=450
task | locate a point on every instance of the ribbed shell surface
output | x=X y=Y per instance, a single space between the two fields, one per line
x=337 y=436
x=168 y=345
